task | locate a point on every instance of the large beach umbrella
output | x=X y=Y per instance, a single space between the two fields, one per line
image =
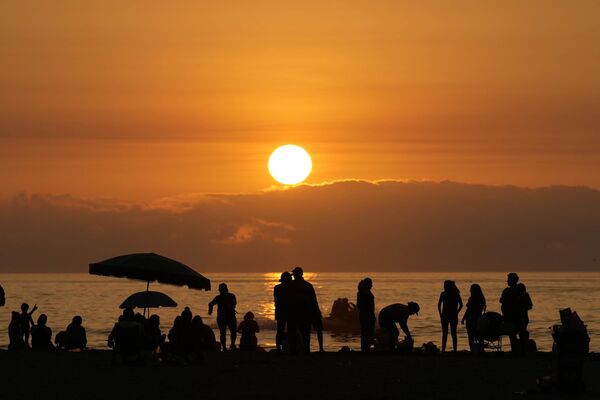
x=148 y=299
x=151 y=267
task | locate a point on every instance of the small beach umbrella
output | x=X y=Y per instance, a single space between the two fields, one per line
x=148 y=299
x=151 y=267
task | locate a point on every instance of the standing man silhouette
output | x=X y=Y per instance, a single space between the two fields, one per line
x=226 y=319
x=511 y=312
x=304 y=309
x=281 y=295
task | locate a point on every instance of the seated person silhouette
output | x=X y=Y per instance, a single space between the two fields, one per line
x=75 y=336
x=125 y=336
x=41 y=335
x=15 y=332
x=204 y=337
x=248 y=328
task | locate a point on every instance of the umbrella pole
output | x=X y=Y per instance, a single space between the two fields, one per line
x=146 y=305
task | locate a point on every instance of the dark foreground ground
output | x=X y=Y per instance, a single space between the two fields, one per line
x=237 y=375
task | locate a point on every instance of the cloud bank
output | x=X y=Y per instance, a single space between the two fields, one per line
x=341 y=226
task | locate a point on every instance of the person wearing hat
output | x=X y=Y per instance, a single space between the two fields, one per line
x=397 y=313
x=281 y=295
x=303 y=311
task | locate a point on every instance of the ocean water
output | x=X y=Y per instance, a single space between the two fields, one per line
x=96 y=299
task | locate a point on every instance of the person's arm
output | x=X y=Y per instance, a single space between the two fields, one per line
x=33 y=310
x=211 y=305
x=240 y=326
x=460 y=304
x=404 y=326
x=440 y=303
x=234 y=300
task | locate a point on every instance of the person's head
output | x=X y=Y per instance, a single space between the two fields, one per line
x=15 y=317
x=154 y=320
x=521 y=288
x=128 y=314
x=365 y=285
x=223 y=288
x=196 y=321
x=42 y=319
x=298 y=273
x=512 y=279
x=413 y=308
x=249 y=316
x=77 y=320
x=139 y=318
x=24 y=307
x=186 y=315
x=476 y=290
x=177 y=322
x=449 y=286
x=285 y=277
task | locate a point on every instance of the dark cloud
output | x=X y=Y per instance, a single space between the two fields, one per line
x=341 y=226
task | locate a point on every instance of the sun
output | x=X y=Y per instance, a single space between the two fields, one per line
x=290 y=164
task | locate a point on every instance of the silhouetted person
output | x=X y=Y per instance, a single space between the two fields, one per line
x=475 y=308
x=304 y=308
x=204 y=337
x=365 y=302
x=226 y=318
x=41 y=335
x=2 y=297
x=176 y=337
x=187 y=335
x=511 y=312
x=154 y=336
x=15 y=332
x=248 y=329
x=281 y=294
x=397 y=313
x=449 y=305
x=524 y=304
x=76 y=337
x=26 y=321
x=125 y=336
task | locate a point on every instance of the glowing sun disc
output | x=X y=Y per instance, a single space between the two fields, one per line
x=290 y=164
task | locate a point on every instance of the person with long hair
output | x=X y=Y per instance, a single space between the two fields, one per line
x=365 y=302
x=449 y=305
x=476 y=306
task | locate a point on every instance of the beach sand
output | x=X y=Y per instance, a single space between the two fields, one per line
x=90 y=375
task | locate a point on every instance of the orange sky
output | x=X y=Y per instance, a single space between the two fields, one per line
x=141 y=101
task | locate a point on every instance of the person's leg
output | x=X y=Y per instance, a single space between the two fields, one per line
x=444 y=333
x=223 y=333
x=233 y=329
x=280 y=333
x=453 y=326
x=470 y=334
x=305 y=331
x=320 y=339
x=292 y=336
x=394 y=334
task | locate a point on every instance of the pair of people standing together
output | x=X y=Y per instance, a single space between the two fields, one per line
x=297 y=309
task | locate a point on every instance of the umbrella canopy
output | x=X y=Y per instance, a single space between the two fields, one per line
x=150 y=267
x=148 y=299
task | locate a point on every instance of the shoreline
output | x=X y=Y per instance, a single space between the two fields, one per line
x=330 y=375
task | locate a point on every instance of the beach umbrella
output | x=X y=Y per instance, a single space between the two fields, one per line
x=151 y=267
x=148 y=299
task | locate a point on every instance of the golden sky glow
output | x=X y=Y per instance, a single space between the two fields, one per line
x=139 y=101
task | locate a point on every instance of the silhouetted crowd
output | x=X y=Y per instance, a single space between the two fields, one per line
x=21 y=328
x=297 y=314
